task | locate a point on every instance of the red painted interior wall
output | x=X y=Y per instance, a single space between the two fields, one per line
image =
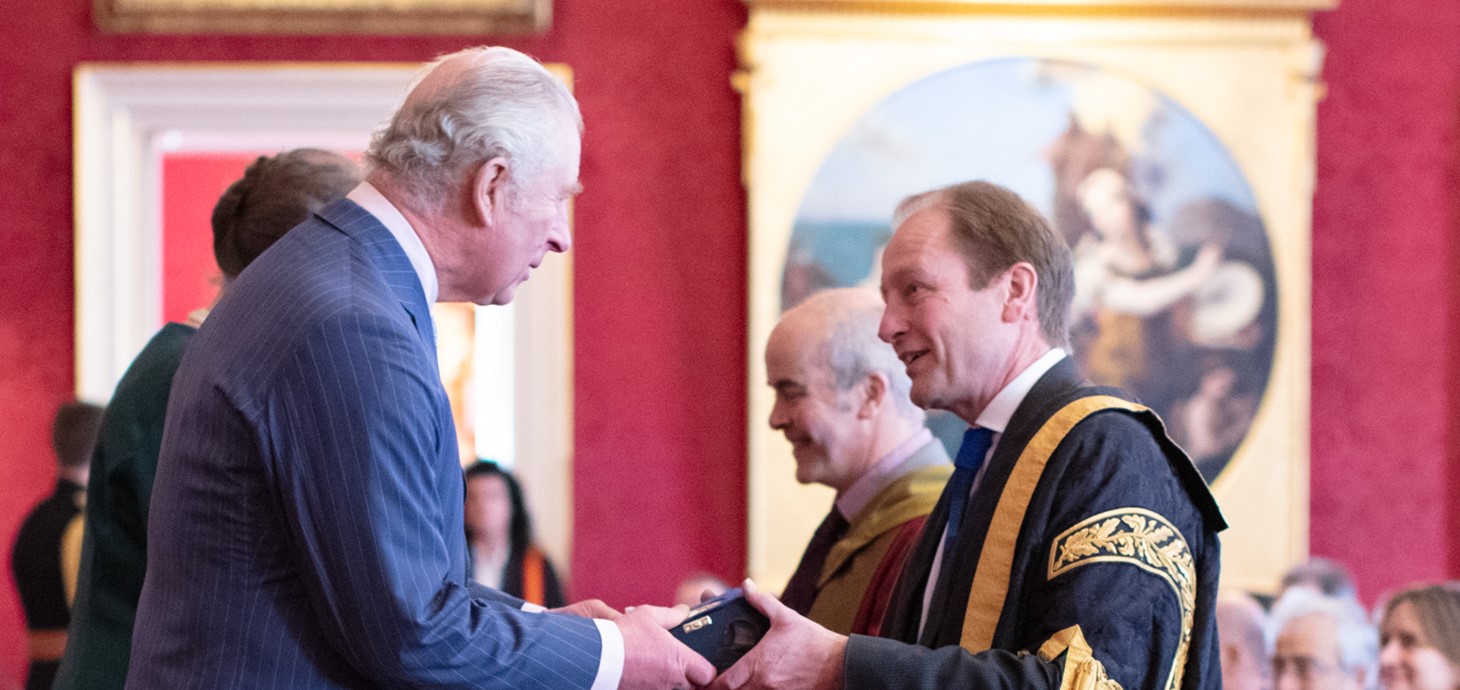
x=191 y=183
x=1386 y=294
x=659 y=289
x=660 y=282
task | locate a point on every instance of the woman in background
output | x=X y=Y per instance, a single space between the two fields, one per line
x=499 y=535
x=1419 y=639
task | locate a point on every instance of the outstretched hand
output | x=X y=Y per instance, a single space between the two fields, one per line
x=795 y=652
x=652 y=657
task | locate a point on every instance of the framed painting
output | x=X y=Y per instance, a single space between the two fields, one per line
x=1130 y=127
x=324 y=16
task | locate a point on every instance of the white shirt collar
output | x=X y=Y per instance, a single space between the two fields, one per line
x=996 y=416
x=370 y=199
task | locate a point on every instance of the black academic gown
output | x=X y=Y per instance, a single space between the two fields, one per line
x=1109 y=488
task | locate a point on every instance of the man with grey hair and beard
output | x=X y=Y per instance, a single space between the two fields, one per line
x=1321 y=642
x=842 y=402
x=305 y=527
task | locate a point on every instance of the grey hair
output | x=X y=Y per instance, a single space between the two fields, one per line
x=504 y=104
x=1358 y=641
x=1323 y=574
x=850 y=346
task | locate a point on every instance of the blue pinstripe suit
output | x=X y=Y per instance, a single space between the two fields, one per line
x=306 y=525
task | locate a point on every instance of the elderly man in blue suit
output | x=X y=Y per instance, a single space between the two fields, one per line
x=306 y=520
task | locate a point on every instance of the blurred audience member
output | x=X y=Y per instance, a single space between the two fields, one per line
x=1321 y=642
x=698 y=587
x=48 y=548
x=275 y=194
x=1241 y=625
x=499 y=534
x=1327 y=577
x=1420 y=638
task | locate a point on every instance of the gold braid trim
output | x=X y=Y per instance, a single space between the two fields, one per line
x=1139 y=537
x=1082 y=670
x=996 y=560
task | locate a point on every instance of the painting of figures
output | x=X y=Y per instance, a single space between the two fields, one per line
x=1176 y=291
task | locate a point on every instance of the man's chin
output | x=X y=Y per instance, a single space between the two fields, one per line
x=499 y=298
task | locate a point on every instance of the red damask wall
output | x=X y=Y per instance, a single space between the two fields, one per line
x=659 y=289
x=1386 y=294
x=660 y=282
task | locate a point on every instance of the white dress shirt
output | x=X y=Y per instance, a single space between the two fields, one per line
x=995 y=417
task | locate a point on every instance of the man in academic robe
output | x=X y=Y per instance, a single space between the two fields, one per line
x=842 y=402
x=1075 y=545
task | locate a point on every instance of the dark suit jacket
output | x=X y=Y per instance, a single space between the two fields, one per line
x=37 y=564
x=306 y=524
x=114 y=551
x=1110 y=466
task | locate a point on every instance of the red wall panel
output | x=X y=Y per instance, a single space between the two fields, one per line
x=659 y=290
x=1386 y=294
x=191 y=183
x=660 y=277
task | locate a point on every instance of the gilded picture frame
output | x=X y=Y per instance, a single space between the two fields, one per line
x=375 y=17
x=815 y=71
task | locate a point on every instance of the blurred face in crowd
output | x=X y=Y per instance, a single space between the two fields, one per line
x=1307 y=657
x=1409 y=661
x=821 y=422
x=488 y=509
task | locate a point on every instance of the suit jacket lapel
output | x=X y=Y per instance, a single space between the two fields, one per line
x=388 y=257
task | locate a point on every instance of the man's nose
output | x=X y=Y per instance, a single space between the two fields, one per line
x=890 y=326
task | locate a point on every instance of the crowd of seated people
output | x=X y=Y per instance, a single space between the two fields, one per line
x=1316 y=634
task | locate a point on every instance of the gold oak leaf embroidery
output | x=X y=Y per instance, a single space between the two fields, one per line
x=1139 y=537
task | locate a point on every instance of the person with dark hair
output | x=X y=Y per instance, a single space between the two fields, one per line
x=275 y=194
x=1419 y=639
x=308 y=508
x=1075 y=545
x=48 y=547
x=499 y=535
x=1328 y=577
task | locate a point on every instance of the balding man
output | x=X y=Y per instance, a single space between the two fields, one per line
x=305 y=527
x=842 y=402
x=1241 y=628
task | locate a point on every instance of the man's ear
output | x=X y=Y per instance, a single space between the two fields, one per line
x=1021 y=282
x=874 y=396
x=487 y=186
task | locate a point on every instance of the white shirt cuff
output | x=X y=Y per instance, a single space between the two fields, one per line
x=532 y=608
x=611 y=662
